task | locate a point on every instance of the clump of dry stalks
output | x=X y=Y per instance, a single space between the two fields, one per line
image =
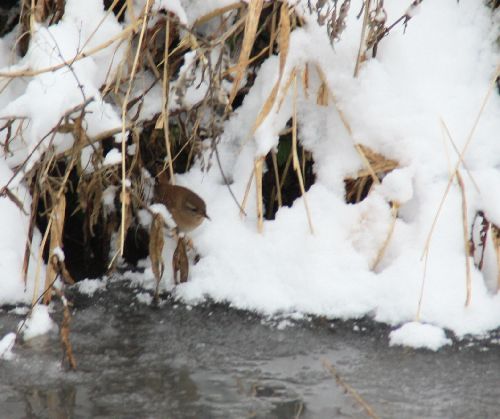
x=226 y=45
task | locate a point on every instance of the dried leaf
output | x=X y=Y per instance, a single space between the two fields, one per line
x=495 y=235
x=156 y=243
x=305 y=81
x=180 y=262
x=322 y=96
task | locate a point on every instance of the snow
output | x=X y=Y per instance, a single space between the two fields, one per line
x=173 y=6
x=38 y=323
x=113 y=157
x=419 y=335
x=416 y=103
x=6 y=344
x=90 y=286
x=57 y=251
x=144 y=298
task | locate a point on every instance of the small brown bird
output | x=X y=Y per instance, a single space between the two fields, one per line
x=187 y=208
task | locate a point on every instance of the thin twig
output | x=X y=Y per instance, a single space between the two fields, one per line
x=226 y=180
x=465 y=223
x=385 y=245
x=247 y=192
x=338 y=378
x=259 y=166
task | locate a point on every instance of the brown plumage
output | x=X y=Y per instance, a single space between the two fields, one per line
x=187 y=208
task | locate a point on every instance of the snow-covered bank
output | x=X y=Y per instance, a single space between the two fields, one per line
x=428 y=93
x=431 y=79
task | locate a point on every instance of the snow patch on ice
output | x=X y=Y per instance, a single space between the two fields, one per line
x=91 y=286
x=419 y=335
x=6 y=345
x=38 y=323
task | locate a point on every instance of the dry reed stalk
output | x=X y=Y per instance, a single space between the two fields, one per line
x=382 y=250
x=251 y=24
x=438 y=212
x=258 y=169
x=56 y=235
x=286 y=170
x=272 y=33
x=284 y=43
x=362 y=43
x=31 y=229
x=99 y=138
x=376 y=163
x=124 y=194
x=361 y=151
x=233 y=30
x=422 y=289
x=299 y=411
x=450 y=138
x=277 y=178
x=165 y=99
x=217 y=12
x=445 y=145
x=303 y=161
x=234 y=68
x=349 y=389
x=103 y=19
x=130 y=10
x=39 y=263
x=295 y=156
x=305 y=80
x=285 y=88
x=465 y=224
x=247 y=193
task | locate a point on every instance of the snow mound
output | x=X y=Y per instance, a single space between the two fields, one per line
x=419 y=335
x=39 y=322
x=6 y=345
x=90 y=286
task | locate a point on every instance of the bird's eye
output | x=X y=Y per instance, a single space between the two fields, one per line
x=191 y=207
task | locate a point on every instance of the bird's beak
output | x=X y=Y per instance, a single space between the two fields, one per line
x=207 y=217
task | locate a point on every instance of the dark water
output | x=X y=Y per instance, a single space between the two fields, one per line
x=136 y=361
